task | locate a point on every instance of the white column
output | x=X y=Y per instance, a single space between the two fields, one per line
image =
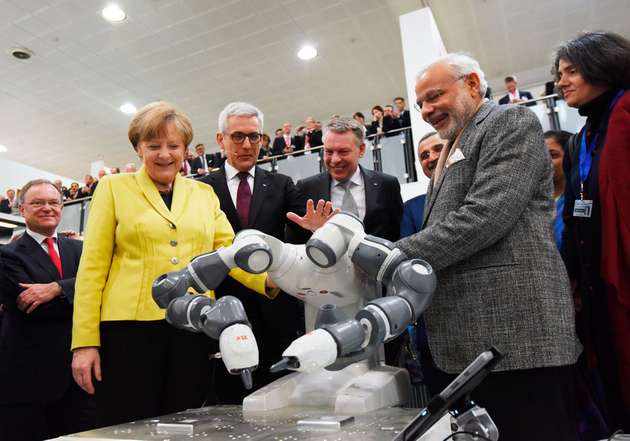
x=421 y=45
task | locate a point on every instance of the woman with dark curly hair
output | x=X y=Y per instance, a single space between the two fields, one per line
x=593 y=73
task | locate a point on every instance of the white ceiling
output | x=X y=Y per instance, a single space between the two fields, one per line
x=59 y=110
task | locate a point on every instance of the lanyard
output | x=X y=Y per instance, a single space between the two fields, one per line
x=586 y=150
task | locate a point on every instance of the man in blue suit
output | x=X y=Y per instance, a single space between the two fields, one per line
x=429 y=149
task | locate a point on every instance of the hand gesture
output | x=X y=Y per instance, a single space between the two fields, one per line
x=314 y=217
x=35 y=294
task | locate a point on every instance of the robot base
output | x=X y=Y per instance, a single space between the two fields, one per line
x=356 y=389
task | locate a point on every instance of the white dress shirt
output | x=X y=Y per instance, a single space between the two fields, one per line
x=39 y=238
x=231 y=176
x=515 y=96
x=357 y=189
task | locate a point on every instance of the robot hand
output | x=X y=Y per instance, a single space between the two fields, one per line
x=239 y=352
x=206 y=271
x=225 y=320
x=309 y=353
x=409 y=283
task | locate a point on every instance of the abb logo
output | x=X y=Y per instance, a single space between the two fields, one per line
x=241 y=337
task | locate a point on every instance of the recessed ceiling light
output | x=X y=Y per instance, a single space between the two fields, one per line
x=3 y=149
x=128 y=108
x=113 y=13
x=307 y=52
x=21 y=53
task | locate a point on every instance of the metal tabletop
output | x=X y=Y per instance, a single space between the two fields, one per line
x=227 y=423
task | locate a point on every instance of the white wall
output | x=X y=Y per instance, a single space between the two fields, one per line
x=421 y=44
x=14 y=174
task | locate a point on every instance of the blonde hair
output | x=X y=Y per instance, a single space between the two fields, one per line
x=150 y=122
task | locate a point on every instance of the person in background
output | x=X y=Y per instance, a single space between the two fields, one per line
x=38 y=397
x=284 y=142
x=73 y=191
x=265 y=148
x=10 y=205
x=556 y=142
x=376 y=126
x=390 y=122
x=593 y=74
x=114 y=170
x=514 y=96
x=130 y=168
x=359 y=117
x=312 y=134
x=187 y=164
x=416 y=356
x=429 y=149
x=203 y=162
x=85 y=191
x=400 y=111
x=101 y=174
x=141 y=226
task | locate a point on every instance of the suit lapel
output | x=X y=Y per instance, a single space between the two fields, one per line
x=68 y=264
x=152 y=194
x=464 y=145
x=434 y=189
x=219 y=184
x=36 y=253
x=371 y=187
x=181 y=193
x=325 y=187
x=261 y=190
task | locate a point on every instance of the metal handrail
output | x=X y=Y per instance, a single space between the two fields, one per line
x=542 y=98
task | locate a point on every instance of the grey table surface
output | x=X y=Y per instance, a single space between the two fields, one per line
x=227 y=423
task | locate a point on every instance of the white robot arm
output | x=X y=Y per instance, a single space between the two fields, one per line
x=338 y=342
x=224 y=319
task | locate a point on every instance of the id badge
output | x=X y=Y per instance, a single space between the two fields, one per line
x=582 y=208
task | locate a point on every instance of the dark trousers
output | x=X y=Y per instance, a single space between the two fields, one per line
x=36 y=421
x=528 y=404
x=149 y=369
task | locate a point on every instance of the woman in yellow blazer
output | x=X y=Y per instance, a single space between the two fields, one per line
x=142 y=225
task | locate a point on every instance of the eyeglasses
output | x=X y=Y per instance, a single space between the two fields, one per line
x=435 y=95
x=239 y=137
x=40 y=203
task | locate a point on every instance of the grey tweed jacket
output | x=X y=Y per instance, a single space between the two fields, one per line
x=488 y=235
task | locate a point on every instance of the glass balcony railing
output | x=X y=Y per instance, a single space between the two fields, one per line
x=391 y=153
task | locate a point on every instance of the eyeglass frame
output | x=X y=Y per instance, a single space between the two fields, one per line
x=41 y=204
x=245 y=136
x=440 y=93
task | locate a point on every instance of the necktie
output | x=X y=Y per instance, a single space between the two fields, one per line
x=348 y=203
x=243 y=199
x=204 y=162
x=50 y=242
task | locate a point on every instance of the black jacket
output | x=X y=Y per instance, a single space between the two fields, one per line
x=35 y=348
x=383 y=204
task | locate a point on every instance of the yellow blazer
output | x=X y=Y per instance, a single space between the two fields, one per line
x=132 y=238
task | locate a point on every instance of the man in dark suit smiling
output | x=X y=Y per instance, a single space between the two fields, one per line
x=373 y=196
x=252 y=197
x=38 y=397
